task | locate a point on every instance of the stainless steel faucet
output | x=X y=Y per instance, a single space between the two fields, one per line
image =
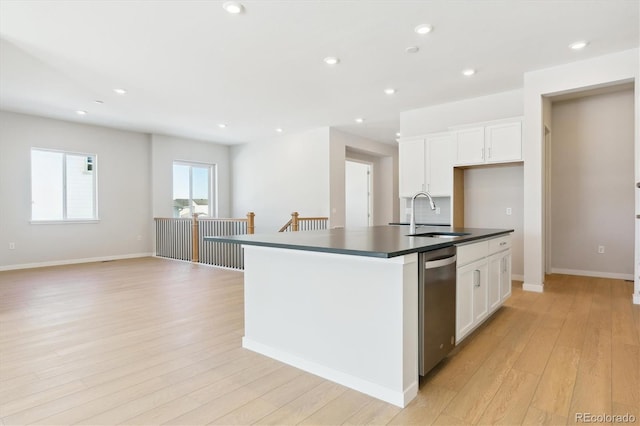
x=412 y=223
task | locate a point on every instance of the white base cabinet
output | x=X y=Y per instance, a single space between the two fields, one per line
x=483 y=282
x=471 y=296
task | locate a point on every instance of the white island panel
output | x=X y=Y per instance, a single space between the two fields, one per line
x=350 y=319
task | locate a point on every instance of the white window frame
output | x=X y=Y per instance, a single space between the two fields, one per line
x=213 y=179
x=64 y=219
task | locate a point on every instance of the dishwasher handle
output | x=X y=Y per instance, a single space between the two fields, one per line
x=431 y=264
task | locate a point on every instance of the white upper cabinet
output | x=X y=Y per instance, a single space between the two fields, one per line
x=491 y=143
x=470 y=146
x=503 y=142
x=441 y=154
x=426 y=164
x=412 y=166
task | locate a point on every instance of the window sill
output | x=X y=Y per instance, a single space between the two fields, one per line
x=63 y=222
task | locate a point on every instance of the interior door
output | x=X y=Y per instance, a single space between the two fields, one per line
x=357 y=194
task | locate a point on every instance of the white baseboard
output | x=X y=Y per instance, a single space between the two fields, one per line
x=636 y=299
x=515 y=277
x=73 y=261
x=597 y=274
x=538 y=288
x=398 y=398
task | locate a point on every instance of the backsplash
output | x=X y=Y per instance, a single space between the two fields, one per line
x=424 y=214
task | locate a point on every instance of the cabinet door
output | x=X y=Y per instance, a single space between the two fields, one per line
x=505 y=276
x=411 y=167
x=480 y=292
x=470 y=146
x=464 y=302
x=441 y=153
x=503 y=142
x=496 y=262
x=471 y=297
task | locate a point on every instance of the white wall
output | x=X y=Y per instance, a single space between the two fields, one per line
x=576 y=76
x=384 y=158
x=167 y=149
x=275 y=177
x=439 y=118
x=124 y=198
x=592 y=198
x=488 y=192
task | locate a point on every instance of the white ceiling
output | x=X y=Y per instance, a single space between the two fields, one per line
x=189 y=65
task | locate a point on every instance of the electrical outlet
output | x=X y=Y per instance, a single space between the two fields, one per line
x=600 y=249
x=437 y=210
x=12 y=246
x=509 y=211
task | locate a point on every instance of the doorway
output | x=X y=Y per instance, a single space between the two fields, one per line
x=589 y=175
x=358 y=190
x=547 y=200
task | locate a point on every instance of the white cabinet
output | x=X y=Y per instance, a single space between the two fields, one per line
x=495 y=270
x=470 y=146
x=471 y=296
x=505 y=276
x=491 y=143
x=412 y=166
x=426 y=164
x=499 y=270
x=483 y=281
x=441 y=155
x=503 y=142
x=499 y=278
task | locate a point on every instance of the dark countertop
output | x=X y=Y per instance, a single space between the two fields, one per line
x=376 y=241
x=419 y=224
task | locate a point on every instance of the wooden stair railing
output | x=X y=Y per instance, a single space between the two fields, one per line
x=297 y=223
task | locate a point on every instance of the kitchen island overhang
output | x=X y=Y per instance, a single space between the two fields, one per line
x=346 y=311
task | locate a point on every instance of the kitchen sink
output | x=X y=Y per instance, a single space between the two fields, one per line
x=440 y=234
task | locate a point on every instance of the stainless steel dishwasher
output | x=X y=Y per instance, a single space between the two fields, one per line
x=437 y=306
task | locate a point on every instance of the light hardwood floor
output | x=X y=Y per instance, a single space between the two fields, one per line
x=153 y=341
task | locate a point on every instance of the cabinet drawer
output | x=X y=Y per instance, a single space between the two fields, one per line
x=499 y=244
x=470 y=252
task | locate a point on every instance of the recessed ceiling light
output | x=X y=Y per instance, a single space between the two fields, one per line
x=390 y=91
x=279 y=130
x=423 y=29
x=359 y=120
x=222 y=125
x=578 y=45
x=81 y=112
x=233 y=7
x=120 y=91
x=469 y=72
x=331 y=60
x=412 y=49
x=98 y=101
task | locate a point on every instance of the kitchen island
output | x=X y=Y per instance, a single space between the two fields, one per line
x=342 y=303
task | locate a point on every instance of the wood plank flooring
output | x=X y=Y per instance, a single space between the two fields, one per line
x=153 y=341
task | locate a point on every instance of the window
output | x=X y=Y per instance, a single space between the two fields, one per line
x=63 y=186
x=193 y=185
